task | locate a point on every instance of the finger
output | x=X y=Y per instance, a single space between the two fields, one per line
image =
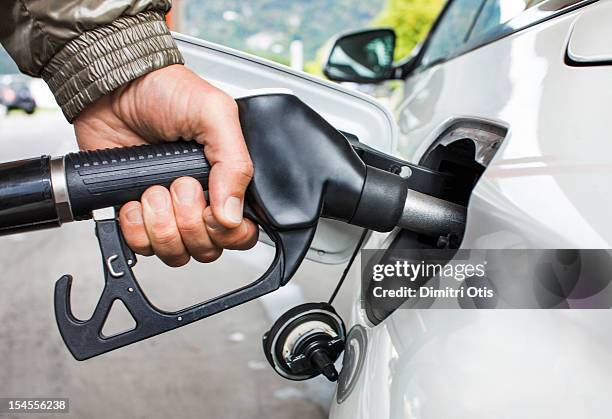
x=161 y=228
x=189 y=203
x=133 y=228
x=226 y=150
x=242 y=237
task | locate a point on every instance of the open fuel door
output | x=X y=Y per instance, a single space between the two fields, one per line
x=359 y=116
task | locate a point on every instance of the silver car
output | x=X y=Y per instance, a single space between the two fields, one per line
x=513 y=98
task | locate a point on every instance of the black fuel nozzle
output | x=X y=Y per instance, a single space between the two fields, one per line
x=305 y=169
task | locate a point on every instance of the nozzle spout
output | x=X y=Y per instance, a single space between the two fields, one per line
x=426 y=214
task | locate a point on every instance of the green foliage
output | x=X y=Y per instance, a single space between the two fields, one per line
x=312 y=21
x=411 y=20
x=315 y=67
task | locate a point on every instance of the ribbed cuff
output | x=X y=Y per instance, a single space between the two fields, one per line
x=101 y=60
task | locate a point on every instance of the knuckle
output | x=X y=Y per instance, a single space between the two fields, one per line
x=164 y=236
x=144 y=251
x=252 y=239
x=176 y=261
x=190 y=226
x=161 y=226
x=249 y=238
x=237 y=242
x=221 y=238
x=241 y=171
x=236 y=239
x=247 y=169
x=138 y=243
x=223 y=100
x=140 y=247
x=228 y=102
x=208 y=256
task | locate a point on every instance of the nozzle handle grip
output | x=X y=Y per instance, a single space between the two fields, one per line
x=113 y=177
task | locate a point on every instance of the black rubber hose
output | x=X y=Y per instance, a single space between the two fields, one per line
x=26 y=196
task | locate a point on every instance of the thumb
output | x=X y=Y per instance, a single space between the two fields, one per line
x=232 y=169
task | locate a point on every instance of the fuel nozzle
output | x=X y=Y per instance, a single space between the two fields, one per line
x=305 y=170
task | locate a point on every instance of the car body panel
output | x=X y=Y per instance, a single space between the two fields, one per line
x=591 y=38
x=547 y=187
x=554 y=144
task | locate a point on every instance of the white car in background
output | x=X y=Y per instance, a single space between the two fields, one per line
x=514 y=98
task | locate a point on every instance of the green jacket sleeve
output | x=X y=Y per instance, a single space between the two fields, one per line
x=85 y=49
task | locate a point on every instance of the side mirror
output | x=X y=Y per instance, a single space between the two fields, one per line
x=362 y=57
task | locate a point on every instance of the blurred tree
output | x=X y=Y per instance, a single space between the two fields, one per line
x=236 y=22
x=315 y=67
x=411 y=20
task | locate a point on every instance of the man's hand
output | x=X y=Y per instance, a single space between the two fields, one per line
x=176 y=224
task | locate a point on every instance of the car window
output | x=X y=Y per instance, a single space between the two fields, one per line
x=497 y=12
x=452 y=31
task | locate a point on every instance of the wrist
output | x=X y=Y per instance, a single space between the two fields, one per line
x=104 y=59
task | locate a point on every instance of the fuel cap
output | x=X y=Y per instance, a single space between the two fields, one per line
x=305 y=342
